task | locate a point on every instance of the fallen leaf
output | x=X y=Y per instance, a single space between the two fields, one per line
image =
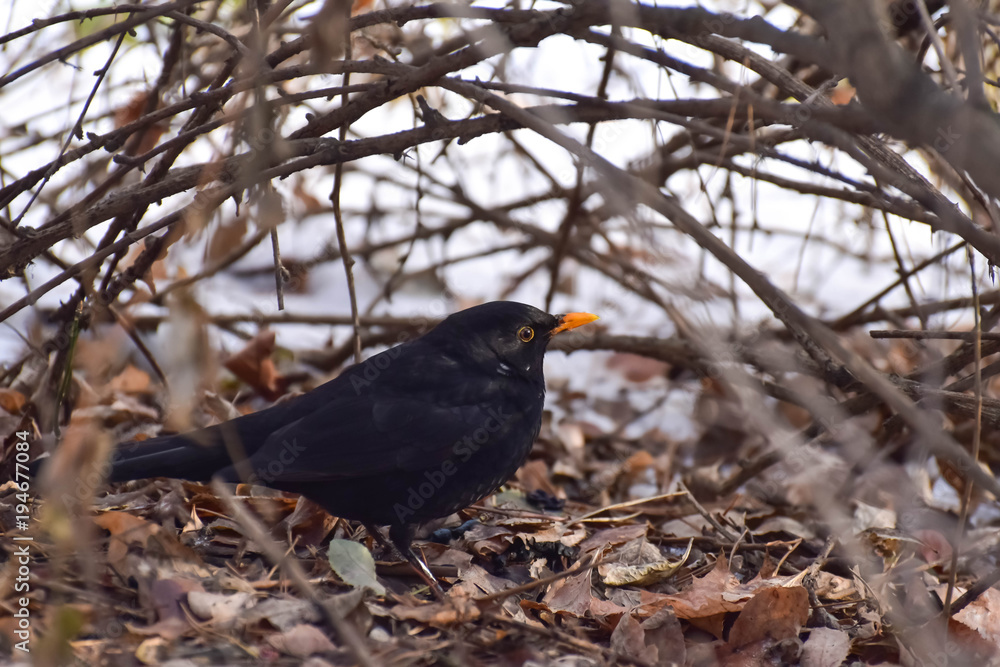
x=221 y=610
x=602 y=609
x=12 y=400
x=354 y=564
x=457 y=608
x=282 y=613
x=571 y=595
x=534 y=475
x=629 y=639
x=825 y=647
x=150 y=651
x=126 y=530
x=774 y=613
x=132 y=380
x=664 y=633
x=704 y=603
x=302 y=641
x=613 y=537
x=644 y=575
x=489 y=540
x=165 y=596
x=983 y=616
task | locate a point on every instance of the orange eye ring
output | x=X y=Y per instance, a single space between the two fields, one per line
x=525 y=334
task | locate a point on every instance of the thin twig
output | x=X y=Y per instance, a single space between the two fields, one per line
x=338 y=179
x=917 y=334
x=963 y=514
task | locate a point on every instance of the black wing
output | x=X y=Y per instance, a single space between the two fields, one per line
x=412 y=415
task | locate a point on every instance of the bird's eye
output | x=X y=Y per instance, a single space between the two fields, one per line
x=526 y=334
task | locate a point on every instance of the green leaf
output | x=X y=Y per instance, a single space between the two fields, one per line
x=354 y=564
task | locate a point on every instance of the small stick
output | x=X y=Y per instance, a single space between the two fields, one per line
x=933 y=335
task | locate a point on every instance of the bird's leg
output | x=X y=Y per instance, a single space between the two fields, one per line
x=401 y=536
x=400 y=539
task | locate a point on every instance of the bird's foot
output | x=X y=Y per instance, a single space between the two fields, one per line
x=402 y=548
x=424 y=573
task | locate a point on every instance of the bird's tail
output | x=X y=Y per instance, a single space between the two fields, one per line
x=195 y=456
x=200 y=455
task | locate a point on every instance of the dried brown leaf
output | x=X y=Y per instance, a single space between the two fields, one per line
x=456 y=609
x=132 y=380
x=704 y=603
x=226 y=237
x=11 y=400
x=126 y=530
x=613 y=537
x=571 y=595
x=629 y=639
x=774 y=613
x=253 y=365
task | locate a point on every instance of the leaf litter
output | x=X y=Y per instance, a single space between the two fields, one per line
x=595 y=550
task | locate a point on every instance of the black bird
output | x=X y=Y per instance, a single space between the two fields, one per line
x=414 y=433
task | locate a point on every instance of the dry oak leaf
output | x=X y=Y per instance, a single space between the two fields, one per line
x=571 y=595
x=774 y=613
x=133 y=111
x=475 y=581
x=664 y=632
x=706 y=602
x=707 y=595
x=602 y=610
x=253 y=365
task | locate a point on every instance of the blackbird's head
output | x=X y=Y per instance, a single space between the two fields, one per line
x=508 y=338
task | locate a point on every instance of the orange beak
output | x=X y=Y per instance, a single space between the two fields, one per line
x=572 y=321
